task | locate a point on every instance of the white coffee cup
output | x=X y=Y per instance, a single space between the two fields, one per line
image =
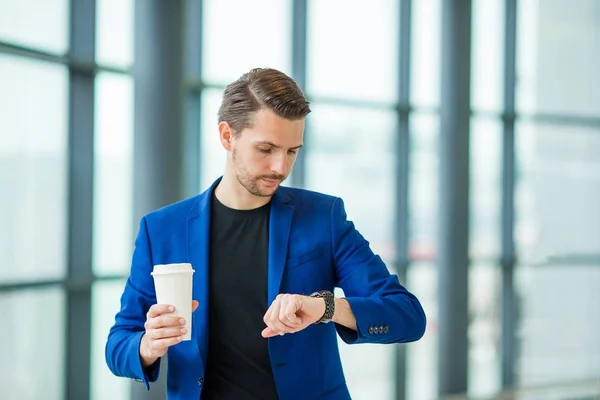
x=173 y=286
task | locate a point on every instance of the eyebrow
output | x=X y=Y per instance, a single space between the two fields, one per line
x=276 y=146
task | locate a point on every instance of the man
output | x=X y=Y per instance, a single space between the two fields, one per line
x=266 y=260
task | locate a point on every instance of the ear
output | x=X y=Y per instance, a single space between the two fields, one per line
x=226 y=135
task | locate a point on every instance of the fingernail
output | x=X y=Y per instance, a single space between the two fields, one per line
x=183 y=330
x=182 y=321
x=281 y=333
x=179 y=338
x=171 y=308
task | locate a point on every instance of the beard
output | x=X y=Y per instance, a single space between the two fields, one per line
x=250 y=182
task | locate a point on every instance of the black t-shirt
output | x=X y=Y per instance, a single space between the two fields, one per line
x=238 y=366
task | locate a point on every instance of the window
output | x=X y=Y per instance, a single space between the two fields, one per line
x=213 y=155
x=33 y=170
x=485 y=188
x=353 y=49
x=558 y=57
x=43 y=25
x=425 y=67
x=423 y=185
x=558 y=242
x=257 y=34
x=558 y=191
x=113 y=224
x=487 y=55
x=34 y=366
x=114 y=32
x=105 y=305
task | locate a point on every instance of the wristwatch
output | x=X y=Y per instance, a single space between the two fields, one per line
x=329 y=305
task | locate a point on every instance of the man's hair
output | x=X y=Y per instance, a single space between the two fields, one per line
x=261 y=88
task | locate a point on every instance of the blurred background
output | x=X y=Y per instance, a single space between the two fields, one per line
x=463 y=135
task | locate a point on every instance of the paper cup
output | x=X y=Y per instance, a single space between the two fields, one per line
x=173 y=286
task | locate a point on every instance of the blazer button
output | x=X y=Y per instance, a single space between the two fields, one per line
x=380 y=329
x=371 y=330
x=386 y=329
x=200 y=381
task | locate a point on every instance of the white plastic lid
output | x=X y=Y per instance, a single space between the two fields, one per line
x=179 y=268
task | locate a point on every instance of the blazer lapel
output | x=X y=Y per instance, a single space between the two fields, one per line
x=199 y=250
x=280 y=224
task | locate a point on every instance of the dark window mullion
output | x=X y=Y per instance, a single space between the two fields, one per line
x=508 y=184
x=402 y=175
x=81 y=174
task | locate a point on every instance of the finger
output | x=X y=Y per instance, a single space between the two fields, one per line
x=271 y=317
x=274 y=322
x=156 y=334
x=195 y=305
x=165 y=321
x=287 y=312
x=159 y=309
x=161 y=344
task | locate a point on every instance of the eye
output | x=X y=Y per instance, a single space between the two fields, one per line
x=263 y=150
x=292 y=151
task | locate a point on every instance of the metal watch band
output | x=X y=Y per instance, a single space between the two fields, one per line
x=329 y=305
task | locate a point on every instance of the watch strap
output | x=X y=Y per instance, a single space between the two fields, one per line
x=329 y=305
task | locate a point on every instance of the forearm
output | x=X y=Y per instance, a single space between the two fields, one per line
x=343 y=314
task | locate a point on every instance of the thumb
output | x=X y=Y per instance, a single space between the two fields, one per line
x=268 y=332
x=195 y=305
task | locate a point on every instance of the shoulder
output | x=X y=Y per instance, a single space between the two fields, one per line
x=174 y=212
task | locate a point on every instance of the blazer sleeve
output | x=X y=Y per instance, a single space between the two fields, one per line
x=123 y=343
x=385 y=311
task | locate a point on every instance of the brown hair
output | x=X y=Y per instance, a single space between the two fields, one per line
x=261 y=88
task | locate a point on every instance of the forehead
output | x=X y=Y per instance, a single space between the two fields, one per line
x=267 y=126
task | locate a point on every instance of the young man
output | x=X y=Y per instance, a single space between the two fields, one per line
x=266 y=260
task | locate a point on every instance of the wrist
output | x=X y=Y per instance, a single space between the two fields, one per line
x=146 y=356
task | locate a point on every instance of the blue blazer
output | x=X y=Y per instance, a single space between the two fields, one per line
x=312 y=246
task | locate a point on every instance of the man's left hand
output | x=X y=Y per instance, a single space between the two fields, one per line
x=291 y=313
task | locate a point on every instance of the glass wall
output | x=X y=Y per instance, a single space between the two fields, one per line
x=39 y=73
x=351 y=65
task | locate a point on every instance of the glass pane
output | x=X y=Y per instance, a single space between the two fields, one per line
x=426 y=53
x=257 y=34
x=558 y=56
x=488 y=55
x=213 y=155
x=559 y=324
x=344 y=61
x=557 y=192
x=114 y=32
x=105 y=304
x=113 y=234
x=423 y=186
x=33 y=364
x=350 y=153
x=421 y=356
x=42 y=25
x=33 y=169
x=486 y=188
x=485 y=341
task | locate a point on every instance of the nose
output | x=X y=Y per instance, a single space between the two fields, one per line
x=279 y=164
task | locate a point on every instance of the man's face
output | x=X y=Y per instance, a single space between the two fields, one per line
x=263 y=155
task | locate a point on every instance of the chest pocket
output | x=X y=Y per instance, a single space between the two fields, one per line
x=300 y=259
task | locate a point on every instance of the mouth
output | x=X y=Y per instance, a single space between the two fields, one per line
x=271 y=182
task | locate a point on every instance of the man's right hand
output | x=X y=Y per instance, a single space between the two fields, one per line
x=162 y=332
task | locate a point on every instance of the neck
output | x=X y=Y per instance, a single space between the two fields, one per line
x=233 y=195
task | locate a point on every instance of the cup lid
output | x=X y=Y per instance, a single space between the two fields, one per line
x=175 y=268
